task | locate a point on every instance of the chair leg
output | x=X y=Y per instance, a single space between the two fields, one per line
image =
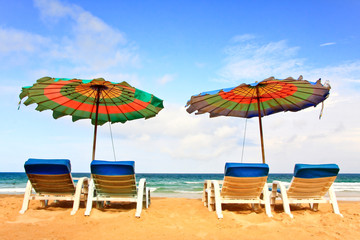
x=334 y=202
x=140 y=194
x=210 y=196
x=77 y=196
x=27 y=195
x=43 y=203
x=204 y=198
x=218 y=208
x=147 y=197
x=285 y=200
x=266 y=198
x=315 y=207
x=273 y=196
x=90 y=199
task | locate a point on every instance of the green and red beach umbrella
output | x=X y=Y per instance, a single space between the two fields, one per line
x=260 y=99
x=99 y=100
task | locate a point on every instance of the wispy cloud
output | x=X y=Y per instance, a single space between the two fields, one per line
x=166 y=79
x=91 y=42
x=88 y=45
x=327 y=44
x=14 y=40
x=249 y=60
x=242 y=38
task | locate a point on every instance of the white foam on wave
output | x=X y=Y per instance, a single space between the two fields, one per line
x=347 y=187
x=183 y=191
x=153 y=189
x=12 y=190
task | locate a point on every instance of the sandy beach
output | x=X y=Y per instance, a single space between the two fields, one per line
x=174 y=218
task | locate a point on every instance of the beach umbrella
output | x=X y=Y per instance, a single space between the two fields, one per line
x=260 y=99
x=99 y=100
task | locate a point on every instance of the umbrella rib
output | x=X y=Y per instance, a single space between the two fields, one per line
x=118 y=106
x=128 y=98
x=104 y=102
x=209 y=96
x=51 y=100
x=84 y=93
x=249 y=105
x=214 y=96
x=271 y=94
x=81 y=92
x=291 y=102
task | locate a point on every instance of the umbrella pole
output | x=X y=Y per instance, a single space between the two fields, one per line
x=260 y=126
x=96 y=121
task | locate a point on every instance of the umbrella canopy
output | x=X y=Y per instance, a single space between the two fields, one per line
x=260 y=99
x=99 y=100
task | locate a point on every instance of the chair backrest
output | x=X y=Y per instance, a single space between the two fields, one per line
x=244 y=180
x=312 y=180
x=114 y=179
x=50 y=176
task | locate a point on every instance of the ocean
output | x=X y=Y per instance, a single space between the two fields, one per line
x=347 y=186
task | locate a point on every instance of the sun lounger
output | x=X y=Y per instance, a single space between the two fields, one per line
x=115 y=182
x=51 y=179
x=243 y=183
x=310 y=183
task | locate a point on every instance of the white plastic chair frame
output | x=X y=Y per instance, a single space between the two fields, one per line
x=305 y=190
x=118 y=189
x=241 y=190
x=55 y=187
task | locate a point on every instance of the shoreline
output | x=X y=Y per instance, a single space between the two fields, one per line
x=346 y=196
x=174 y=218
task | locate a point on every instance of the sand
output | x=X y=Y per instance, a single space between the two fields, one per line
x=174 y=218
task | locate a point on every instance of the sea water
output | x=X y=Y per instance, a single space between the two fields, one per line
x=347 y=186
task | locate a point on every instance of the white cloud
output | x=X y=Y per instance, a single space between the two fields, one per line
x=14 y=41
x=242 y=38
x=53 y=9
x=88 y=45
x=343 y=72
x=166 y=79
x=247 y=60
x=91 y=42
x=327 y=44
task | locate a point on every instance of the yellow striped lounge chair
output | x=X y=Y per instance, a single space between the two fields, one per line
x=243 y=183
x=114 y=181
x=51 y=180
x=309 y=184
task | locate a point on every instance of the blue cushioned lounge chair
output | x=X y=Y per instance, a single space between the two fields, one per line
x=51 y=179
x=115 y=182
x=243 y=183
x=310 y=183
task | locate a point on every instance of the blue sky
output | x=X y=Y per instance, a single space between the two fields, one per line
x=176 y=49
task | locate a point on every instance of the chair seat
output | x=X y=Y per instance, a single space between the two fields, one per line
x=51 y=179
x=309 y=184
x=116 y=181
x=243 y=183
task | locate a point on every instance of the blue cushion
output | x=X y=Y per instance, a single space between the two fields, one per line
x=112 y=168
x=316 y=170
x=47 y=166
x=246 y=169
